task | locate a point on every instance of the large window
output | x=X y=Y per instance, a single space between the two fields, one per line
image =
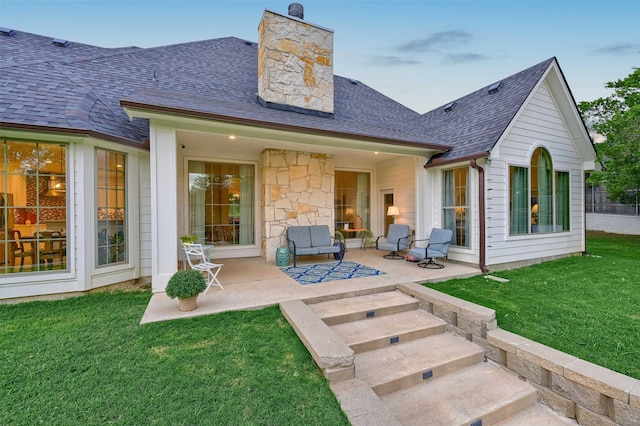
x=221 y=202
x=455 y=204
x=33 y=207
x=538 y=197
x=352 y=208
x=111 y=207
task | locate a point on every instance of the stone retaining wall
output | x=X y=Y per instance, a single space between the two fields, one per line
x=575 y=388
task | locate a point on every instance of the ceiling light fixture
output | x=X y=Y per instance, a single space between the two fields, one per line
x=57 y=184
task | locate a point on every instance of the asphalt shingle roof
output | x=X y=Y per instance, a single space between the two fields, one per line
x=477 y=120
x=83 y=88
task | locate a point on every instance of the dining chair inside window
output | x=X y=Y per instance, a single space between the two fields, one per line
x=18 y=250
x=51 y=248
x=198 y=261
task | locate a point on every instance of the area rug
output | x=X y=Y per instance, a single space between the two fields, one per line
x=322 y=272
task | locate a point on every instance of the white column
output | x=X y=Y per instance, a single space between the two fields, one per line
x=164 y=214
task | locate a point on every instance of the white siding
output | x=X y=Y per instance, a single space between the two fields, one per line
x=83 y=274
x=540 y=124
x=433 y=208
x=399 y=176
x=144 y=211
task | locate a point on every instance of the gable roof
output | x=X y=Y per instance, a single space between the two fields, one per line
x=477 y=121
x=81 y=88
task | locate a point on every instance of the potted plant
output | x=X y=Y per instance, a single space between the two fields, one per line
x=190 y=239
x=186 y=285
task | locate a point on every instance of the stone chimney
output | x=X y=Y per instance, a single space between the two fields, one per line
x=295 y=64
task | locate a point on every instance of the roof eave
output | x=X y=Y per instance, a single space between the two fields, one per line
x=444 y=161
x=131 y=105
x=75 y=132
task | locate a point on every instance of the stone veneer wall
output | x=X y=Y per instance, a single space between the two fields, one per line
x=295 y=63
x=297 y=189
x=574 y=388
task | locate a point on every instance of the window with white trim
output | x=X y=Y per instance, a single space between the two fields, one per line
x=455 y=204
x=111 y=195
x=538 y=197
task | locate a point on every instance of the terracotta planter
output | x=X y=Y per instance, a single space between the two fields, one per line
x=188 y=304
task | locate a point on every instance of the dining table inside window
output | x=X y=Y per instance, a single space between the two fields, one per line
x=48 y=248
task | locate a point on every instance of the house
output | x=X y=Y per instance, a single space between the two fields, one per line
x=109 y=155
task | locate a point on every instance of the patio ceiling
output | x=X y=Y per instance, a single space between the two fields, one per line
x=250 y=142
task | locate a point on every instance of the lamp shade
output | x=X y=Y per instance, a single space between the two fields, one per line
x=392 y=211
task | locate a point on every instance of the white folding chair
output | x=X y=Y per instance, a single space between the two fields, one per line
x=199 y=262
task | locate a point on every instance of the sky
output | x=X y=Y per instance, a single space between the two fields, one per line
x=422 y=54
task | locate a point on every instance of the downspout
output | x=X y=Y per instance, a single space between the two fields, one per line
x=481 y=208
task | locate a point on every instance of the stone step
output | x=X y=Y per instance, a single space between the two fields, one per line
x=400 y=366
x=481 y=394
x=378 y=332
x=360 y=307
x=538 y=415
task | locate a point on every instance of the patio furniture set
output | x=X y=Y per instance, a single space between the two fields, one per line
x=316 y=239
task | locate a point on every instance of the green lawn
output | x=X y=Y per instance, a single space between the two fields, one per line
x=586 y=306
x=87 y=361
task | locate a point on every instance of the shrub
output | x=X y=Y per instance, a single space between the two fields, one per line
x=185 y=284
x=191 y=239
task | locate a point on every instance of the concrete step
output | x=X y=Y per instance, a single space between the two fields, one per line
x=360 y=307
x=480 y=394
x=378 y=332
x=400 y=366
x=538 y=415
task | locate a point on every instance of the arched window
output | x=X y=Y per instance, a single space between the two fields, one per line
x=541 y=191
x=539 y=198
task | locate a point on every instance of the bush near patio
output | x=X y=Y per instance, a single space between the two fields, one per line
x=586 y=306
x=87 y=361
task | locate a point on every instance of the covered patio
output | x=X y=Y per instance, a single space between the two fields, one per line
x=254 y=283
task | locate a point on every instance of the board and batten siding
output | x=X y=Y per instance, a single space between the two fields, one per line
x=399 y=176
x=540 y=124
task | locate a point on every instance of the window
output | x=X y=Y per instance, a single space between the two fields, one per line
x=519 y=200
x=562 y=201
x=546 y=208
x=352 y=201
x=221 y=202
x=111 y=207
x=455 y=205
x=33 y=206
x=541 y=192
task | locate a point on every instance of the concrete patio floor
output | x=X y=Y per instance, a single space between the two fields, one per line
x=253 y=283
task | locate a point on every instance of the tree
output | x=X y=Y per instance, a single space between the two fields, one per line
x=617 y=118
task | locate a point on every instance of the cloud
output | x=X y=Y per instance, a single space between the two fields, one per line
x=460 y=58
x=616 y=49
x=435 y=41
x=392 y=61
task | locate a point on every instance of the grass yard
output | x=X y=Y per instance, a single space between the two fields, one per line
x=586 y=306
x=87 y=361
